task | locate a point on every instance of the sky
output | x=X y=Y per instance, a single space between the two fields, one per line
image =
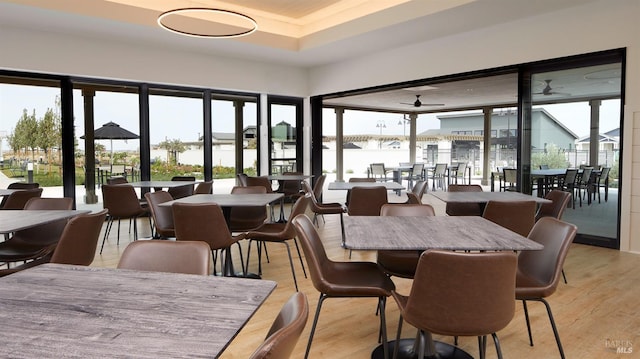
x=180 y=118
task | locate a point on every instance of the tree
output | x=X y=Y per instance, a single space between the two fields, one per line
x=24 y=134
x=173 y=147
x=48 y=134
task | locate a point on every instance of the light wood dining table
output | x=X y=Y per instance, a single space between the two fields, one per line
x=63 y=311
x=463 y=233
x=484 y=197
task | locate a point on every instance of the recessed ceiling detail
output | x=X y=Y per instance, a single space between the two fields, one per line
x=207 y=22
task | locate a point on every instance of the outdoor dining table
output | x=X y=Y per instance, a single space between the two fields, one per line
x=60 y=311
x=226 y=202
x=158 y=184
x=483 y=197
x=546 y=178
x=349 y=185
x=14 y=220
x=464 y=233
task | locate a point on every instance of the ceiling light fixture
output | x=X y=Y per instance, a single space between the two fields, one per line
x=253 y=25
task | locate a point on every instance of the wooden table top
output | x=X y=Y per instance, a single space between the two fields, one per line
x=288 y=177
x=58 y=311
x=349 y=185
x=483 y=197
x=15 y=220
x=436 y=232
x=230 y=200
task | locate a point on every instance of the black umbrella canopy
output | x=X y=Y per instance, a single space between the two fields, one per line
x=113 y=131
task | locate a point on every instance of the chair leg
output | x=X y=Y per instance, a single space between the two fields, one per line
x=313 y=326
x=496 y=342
x=383 y=325
x=553 y=326
x=106 y=233
x=304 y=271
x=482 y=345
x=293 y=270
x=564 y=277
x=342 y=229
x=398 y=334
x=526 y=317
x=244 y=271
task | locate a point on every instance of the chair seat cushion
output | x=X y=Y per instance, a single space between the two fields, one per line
x=365 y=279
x=528 y=287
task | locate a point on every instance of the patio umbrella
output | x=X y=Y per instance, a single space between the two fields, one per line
x=112 y=131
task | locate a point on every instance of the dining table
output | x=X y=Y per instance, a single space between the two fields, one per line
x=66 y=311
x=158 y=184
x=349 y=185
x=12 y=220
x=484 y=197
x=226 y=202
x=281 y=178
x=461 y=233
x=546 y=178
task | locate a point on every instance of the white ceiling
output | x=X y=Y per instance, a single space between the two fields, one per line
x=308 y=33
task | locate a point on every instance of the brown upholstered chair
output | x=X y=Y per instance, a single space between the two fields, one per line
x=318 y=187
x=204 y=188
x=122 y=203
x=517 y=216
x=280 y=233
x=290 y=188
x=35 y=242
x=162 y=216
x=18 y=199
x=480 y=303
x=324 y=208
x=285 y=330
x=182 y=191
x=188 y=257
x=357 y=179
x=206 y=222
x=401 y=263
x=242 y=179
x=367 y=201
x=244 y=219
x=418 y=190
x=18 y=185
x=341 y=279
x=117 y=180
x=264 y=182
x=559 y=201
x=539 y=271
x=77 y=244
x=464 y=209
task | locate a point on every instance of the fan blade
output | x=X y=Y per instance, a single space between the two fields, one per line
x=432 y=104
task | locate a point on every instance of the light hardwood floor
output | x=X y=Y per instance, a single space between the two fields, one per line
x=599 y=305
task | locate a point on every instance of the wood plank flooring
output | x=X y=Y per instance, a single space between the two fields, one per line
x=597 y=307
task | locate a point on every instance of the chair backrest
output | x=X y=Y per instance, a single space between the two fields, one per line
x=242 y=179
x=318 y=187
x=570 y=177
x=462 y=166
x=544 y=266
x=510 y=175
x=162 y=216
x=517 y=216
x=18 y=199
x=44 y=234
x=407 y=210
x=367 y=201
x=285 y=330
x=378 y=170
x=556 y=208
x=319 y=264
x=182 y=191
x=201 y=222
x=78 y=242
x=416 y=170
x=188 y=257
x=464 y=209
x=585 y=176
x=260 y=181
x=121 y=201
x=247 y=218
x=117 y=180
x=361 y=179
x=419 y=188
x=604 y=173
x=289 y=187
x=45 y=203
x=440 y=169
x=204 y=187
x=466 y=294
x=23 y=185
x=299 y=207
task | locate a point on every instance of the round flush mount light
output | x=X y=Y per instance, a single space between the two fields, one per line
x=237 y=20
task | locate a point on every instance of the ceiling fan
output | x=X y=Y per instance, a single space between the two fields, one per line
x=419 y=103
x=548 y=90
